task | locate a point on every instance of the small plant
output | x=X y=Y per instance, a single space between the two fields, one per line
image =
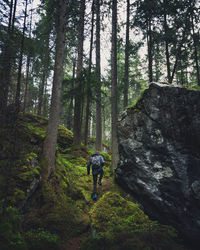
x=10 y=229
x=41 y=239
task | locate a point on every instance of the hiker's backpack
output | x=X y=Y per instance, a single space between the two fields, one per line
x=96 y=162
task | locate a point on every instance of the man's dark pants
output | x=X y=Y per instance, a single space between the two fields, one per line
x=95 y=177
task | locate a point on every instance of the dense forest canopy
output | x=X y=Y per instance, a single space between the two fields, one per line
x=95 y=58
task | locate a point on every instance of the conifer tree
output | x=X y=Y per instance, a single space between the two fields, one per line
x=114 y=95
x=49 y=149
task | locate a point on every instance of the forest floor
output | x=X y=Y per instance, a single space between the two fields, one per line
x=64 y=206
x=75 y=243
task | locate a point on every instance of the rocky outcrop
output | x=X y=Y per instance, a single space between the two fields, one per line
x=159 y=147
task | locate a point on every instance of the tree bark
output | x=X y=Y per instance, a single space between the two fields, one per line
x=78 y=95
x=52 y=130
x=87 y=115
x=195 y=51
x=17 y=98
x=150 y=47
x=70 y=113
x=98 y=75
x=45 y=69
x=178 y=54
x=157 y=63
x=26 y=84
x=114 y=96
x=126 y=71
x=167 y=47
x=5 y=69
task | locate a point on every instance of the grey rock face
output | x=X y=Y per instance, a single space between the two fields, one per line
x=159 y=147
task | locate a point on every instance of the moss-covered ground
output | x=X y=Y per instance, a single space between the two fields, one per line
x=60 y=214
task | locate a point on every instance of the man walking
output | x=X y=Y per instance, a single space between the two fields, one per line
x=97 y=163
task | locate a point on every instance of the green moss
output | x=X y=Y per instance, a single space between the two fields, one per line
x=63 y=205
x=59 y=212
x=192 y=87
x=19 y=194
x=122 y=224
x=10 y=229
x=114 y=211
x=37 y=131
x=65 y=138
x=42 y=239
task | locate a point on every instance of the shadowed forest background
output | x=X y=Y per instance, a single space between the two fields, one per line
x=67 y=70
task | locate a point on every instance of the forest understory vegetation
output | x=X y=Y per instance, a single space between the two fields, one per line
x=61 y=209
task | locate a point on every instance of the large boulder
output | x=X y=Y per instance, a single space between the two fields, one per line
x=159 y=148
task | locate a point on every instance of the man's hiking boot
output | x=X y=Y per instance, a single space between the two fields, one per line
x=94 y=197
x=100 y=183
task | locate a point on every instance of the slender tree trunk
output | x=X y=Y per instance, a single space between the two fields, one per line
x=178 y=54
x=157 y=62
x=27 y=66
x=17 y=98
x=82 y=110
x=126 y=71
x=44 y=73
x=181 y=74
x=69 y=116
x=87 y=116
x=150 y=47
x=195 y=41
x=41 y=92
x=78 y=95
x=5 y=68
x=114 y=96
x=167 y=46
x=45 y=102
x=26 y=83
x=98 y=74
x=52 y=130
x=10 y=14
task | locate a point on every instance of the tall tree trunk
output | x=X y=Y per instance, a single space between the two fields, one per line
x=126 y=71
x=5 y=68
x=26 y=83
x=196 y=57
x=49 y=149
x=150 y=47
x=114 y=95
x=69 y=115
x=41 y=92
x=27 y=66
x=78 y=95
x=45 y=70
x=98 y=75
x=10 y=14
x=87 y=116
x=167 y=44
x=45 y=102
x=157 y=63
x=17 y=98
x=178 y=54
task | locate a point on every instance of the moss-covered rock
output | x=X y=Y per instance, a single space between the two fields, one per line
x=65 y=137
x=121 y=224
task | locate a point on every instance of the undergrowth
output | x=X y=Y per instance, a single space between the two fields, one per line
x=62 y=208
